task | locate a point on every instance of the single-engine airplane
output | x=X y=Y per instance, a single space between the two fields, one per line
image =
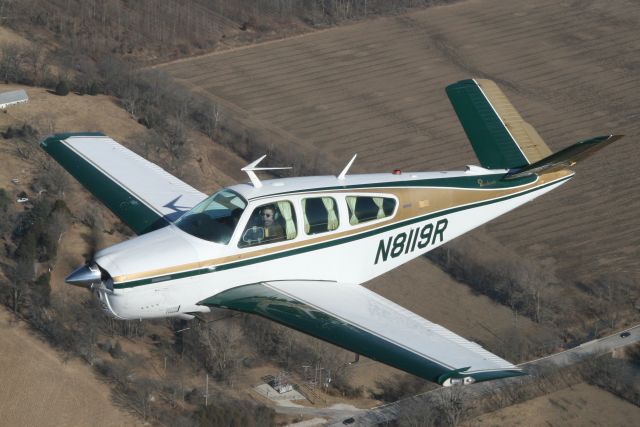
x=296 y=250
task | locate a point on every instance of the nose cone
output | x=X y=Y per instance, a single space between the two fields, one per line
x=147 y=253
x=84 y=276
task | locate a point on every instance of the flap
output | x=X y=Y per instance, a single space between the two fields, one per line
x=362 y=321
x=143 y=195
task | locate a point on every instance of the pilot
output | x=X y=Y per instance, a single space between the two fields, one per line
x=273 y=231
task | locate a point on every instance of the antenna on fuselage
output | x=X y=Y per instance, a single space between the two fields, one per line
x=251 y=168
x=346 y=168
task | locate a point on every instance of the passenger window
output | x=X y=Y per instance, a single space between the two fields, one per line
x=320 y=215
x=363 y=209
x=270 y=223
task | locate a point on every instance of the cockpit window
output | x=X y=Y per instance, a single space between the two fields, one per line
x=215 y=218
x=270 y=223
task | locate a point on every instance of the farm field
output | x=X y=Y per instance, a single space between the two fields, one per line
x=377 y=88
x=580 y=405
x=39 y=388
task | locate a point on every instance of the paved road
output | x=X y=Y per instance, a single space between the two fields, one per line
x=332 y=414
x=392 y=411
x=591 y=348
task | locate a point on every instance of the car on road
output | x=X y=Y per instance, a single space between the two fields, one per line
x=625 y=334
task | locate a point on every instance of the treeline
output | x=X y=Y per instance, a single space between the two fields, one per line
x=619 y=376
x=31 y=236
x=519 y=284
x=313 y=12
x=578 y=309
x=140 y=29
x=154 y=29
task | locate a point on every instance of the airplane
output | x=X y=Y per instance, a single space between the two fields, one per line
x=297 y=250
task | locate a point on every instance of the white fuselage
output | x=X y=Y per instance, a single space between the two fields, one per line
x=168 y=272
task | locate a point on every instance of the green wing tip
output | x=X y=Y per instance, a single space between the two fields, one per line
x=454 y=373
x=496 y=375
x=57 y=137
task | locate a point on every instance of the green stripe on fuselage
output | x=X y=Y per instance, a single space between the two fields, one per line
x=483 y=182
x=132 y=211
x=278 y=307
x=317 y=246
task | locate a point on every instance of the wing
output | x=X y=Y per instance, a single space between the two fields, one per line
x=143 y=195
x=352 y=317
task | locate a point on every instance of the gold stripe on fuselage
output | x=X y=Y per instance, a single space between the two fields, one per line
x=412 y=202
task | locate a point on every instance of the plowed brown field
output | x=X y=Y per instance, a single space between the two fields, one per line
x=377 y=88
x=580 y=405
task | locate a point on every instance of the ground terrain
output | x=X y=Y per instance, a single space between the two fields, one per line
x=40 y=388
x=580 y=405
x=377 y=88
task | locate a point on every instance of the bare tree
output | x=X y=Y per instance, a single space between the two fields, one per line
x=36 y=64
x=19 y=278
x=209 y=116
x=58 y=224
x=453 y=405
x=52 y=178
x=94 y=238
x=533 y=281
x=143 y=391
x=11 y=61
x=219 y=342
x=131 y=98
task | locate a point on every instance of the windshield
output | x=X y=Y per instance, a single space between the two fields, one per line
x=215 y=218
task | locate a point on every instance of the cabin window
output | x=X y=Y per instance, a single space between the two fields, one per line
x=270 y=223
x=363 y=209
x=215 y=218
x=320 y=214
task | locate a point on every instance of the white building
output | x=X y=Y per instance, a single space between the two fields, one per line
x=13 y=97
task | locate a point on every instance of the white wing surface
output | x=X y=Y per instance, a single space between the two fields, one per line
x=362 y=321
x=142 y=194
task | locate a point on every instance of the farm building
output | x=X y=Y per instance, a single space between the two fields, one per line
x=13 y=97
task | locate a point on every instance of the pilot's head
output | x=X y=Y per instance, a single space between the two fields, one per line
x=267 y=215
